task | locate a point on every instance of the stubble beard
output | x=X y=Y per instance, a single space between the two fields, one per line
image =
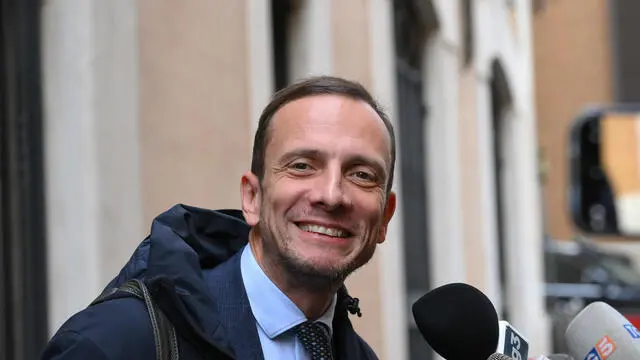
x=300 y=272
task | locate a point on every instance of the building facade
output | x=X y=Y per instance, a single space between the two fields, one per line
x=151 y=103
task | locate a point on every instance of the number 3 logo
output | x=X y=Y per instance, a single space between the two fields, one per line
x=515 y=352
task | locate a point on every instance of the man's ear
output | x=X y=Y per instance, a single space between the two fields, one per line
x=389 y=210
x=250 y=193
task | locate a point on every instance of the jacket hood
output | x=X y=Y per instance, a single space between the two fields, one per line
x=184 y=241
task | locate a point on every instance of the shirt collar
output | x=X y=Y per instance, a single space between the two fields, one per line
x=274 y=312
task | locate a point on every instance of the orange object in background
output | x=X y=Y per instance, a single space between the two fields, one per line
x=634 y=319
x=620 y=158
x=620 y=146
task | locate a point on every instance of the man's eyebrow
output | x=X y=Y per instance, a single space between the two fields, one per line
x=301 y=153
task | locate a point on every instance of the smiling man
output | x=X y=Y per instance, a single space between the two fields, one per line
x=265 y=282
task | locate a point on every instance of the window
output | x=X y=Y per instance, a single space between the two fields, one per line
x=467 y=32
x=410 y=26
x=281 y=11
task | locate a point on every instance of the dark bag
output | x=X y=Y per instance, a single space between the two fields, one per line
x=164 y=333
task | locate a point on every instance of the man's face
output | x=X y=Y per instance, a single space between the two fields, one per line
x=322 y=206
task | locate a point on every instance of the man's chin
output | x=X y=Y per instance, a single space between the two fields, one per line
x=319 y=270
x=326 y=263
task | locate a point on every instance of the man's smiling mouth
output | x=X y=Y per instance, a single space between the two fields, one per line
x=323 y=230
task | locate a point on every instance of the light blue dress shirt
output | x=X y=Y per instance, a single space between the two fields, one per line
x=275 y=313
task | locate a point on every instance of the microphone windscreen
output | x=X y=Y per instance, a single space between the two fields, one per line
x=498 y=356
x=601 y=332
x=458 y=321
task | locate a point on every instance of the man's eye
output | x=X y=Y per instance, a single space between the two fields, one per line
x=300 y=166
x=363 y=175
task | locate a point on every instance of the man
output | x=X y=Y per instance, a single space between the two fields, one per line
x=266 y=282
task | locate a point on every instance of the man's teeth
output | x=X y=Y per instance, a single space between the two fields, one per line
x=324 y=230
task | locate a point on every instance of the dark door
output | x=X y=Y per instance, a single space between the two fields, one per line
x=23 y=295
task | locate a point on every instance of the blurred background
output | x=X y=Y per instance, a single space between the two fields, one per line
x=113 y=111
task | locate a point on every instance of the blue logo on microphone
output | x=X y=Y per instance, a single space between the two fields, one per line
x=632 y=330
x=593 y=355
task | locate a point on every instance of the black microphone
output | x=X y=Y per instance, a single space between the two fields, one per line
x=458 y=321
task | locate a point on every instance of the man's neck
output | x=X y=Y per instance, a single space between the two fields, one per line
x=312 y=302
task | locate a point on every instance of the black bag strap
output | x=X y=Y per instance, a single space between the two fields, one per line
x=164 y=333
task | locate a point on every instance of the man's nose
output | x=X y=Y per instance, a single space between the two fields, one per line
x=329 y=190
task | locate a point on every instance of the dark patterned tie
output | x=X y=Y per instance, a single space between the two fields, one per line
x=314 y=336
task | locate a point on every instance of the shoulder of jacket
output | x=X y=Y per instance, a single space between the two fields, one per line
x=70 y=345
x=118 y=328
x=367 y=351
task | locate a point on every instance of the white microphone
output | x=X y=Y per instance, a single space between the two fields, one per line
x=552 y=357
x=559 y=357
x=511 y=342
x=599 y=332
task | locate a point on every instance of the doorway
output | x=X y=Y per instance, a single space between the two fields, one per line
x=23 y=285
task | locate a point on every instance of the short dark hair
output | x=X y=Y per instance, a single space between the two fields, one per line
x=317 y=85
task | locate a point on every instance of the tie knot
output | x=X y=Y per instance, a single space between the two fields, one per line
x=315 y=338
